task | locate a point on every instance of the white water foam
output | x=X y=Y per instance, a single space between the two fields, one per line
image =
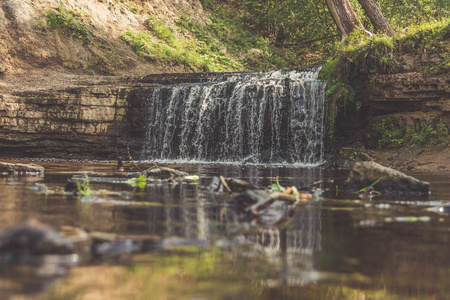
x=273 y=117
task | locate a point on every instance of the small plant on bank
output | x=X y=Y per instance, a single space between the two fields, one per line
x=446 y=63
x=83 y=188
x=68 y=21
x=389 y=136
x=420 y=134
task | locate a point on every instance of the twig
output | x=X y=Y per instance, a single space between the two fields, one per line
x=225 y=185
x=131 y=159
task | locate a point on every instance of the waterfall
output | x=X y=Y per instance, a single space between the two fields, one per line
x=254 y=117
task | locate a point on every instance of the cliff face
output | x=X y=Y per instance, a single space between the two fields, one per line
x=409 y=104
x=91 y=118
x=417 y=98
x=72 y=124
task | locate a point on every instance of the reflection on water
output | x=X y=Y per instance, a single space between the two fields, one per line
x=329 y=249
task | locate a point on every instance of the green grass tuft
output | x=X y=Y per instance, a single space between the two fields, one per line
x=69 y=22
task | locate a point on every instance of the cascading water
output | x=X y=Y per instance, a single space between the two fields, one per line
x=255 y=117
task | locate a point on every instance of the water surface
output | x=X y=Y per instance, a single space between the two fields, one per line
x=333 y=248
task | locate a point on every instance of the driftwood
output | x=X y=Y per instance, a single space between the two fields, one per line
x=232 y=185
x=158 y=172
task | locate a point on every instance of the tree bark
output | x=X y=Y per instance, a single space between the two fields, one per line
x=376 y=17
x=344 y=16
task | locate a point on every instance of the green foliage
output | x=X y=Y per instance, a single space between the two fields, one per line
x=199 y=52
x=424 y=134
x=421 y=134
x=111 y=57
x=291 y=22
x=388 y=136
x=139 y=182
x=404 y=13
x=276 y=187
x=233 y=28
x=339 y=96
x=255 y=35
x=203 y=35
x=161 y=31
x=83 y=186
x=68 y=21
x=370 y=188
x=304 y=28
x=379 y=54
x=446 y=62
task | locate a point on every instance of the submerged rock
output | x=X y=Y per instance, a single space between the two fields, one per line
x=33 y=238
x=441 y=209
x=21 y=169
x=390 y=181
x=249 y=198
x=107 y=245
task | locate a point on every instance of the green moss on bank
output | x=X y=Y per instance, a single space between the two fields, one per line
x=360 y=54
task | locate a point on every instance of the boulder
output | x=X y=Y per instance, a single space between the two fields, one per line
x=391 y=182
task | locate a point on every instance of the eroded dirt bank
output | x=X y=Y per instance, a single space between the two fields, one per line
x=87 y=42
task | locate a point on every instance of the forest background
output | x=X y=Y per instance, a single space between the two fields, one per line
x=257 y=35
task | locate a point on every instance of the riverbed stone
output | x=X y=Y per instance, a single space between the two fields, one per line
x=33 y=238
x=391 y=182
x=18 y=168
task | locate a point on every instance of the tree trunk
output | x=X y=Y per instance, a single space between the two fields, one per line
x=344 y=16
x=376 y=17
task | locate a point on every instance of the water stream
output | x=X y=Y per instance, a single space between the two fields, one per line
x=332 y=248
x=257 y=117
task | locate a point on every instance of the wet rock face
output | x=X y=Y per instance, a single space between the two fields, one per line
x=82 y=121
x=392 y=182
x=33 y=238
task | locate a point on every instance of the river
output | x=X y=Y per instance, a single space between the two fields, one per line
x=334 y=247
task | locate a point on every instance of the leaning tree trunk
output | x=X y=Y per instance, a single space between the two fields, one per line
x=344 y=16
x=376 y=17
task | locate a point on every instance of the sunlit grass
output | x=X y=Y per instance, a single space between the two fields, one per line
x=195 y=52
